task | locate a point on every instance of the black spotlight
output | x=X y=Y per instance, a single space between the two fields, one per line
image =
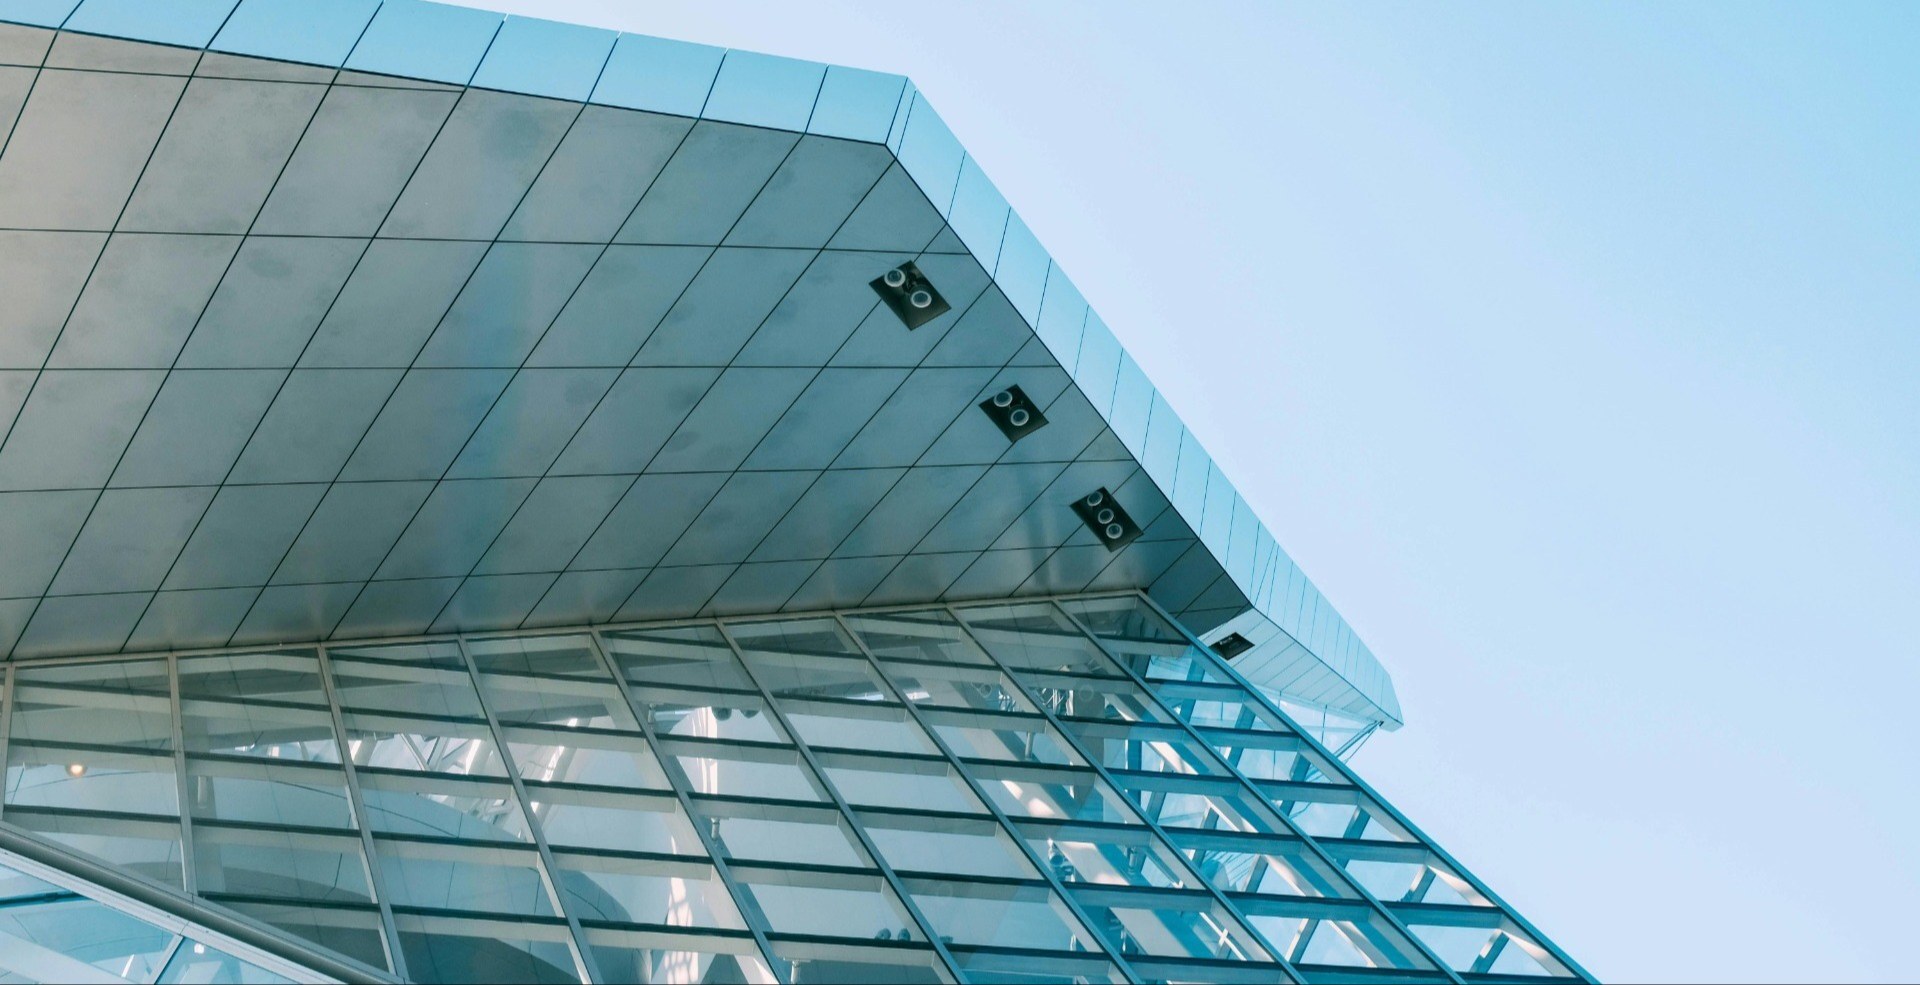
x=910 y=294
x=1110 y=523
x=1013 y=413
x=1231 y=645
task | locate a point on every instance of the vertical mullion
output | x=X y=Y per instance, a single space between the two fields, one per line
x=583 y=955
x=1006 y=823
x=887 y=874
x=676 y=778
x=160 y=966
x=182 y=784
x=1346 y=771
x=1265 y=807
x=375 y=878
x=1160 y=834
x=6 y=722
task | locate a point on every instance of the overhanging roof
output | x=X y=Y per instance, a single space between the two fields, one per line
x=389 y=317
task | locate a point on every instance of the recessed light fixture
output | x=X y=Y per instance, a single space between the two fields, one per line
x=76 y=769
x=1013 y=413
x=1103 y=515
x=1231 y=645
x=910 y=295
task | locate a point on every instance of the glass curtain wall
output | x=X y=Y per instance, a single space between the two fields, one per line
x=1070 y=790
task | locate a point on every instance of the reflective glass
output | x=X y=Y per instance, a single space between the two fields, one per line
x=735 y=770
x=683 y=656
x=605 y=889
x=953 y=845
x=459 y=949
x=268 y=792
x=202 y=964
x=629 y=784
x=613 y=821
x=252 y=728
x=856 y=725
x=125 y=704
x=290 y=676
x=999 y=914
x=148 y=847
x=782 y=833
x=428 y=679
x=566 y=702
x=89 y=779
x=603 y=759
x=390 y=742
x=665 y=956
x=1119 y=855
x=739 y=716
x=429 y=806
x=827 y=904
x=1036 y=637
x=930 y=636
x=279 y=864
x=354 y=931
x=463 y=877
x=54 y=935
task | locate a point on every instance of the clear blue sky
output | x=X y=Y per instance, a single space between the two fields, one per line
x=1574 y=350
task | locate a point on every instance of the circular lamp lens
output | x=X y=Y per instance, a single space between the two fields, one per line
x=1114 y=531
x=920 y=299
x=1095 y=498
x=895 y=278
x=76 y=769
x=1019 y=418
x=1104 y=516
x=1003 y=399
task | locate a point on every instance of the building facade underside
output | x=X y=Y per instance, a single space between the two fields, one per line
x=484 y=499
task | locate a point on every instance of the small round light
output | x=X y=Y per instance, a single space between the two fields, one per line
x=199 y=948
x=1095 y=498
x=76 y=769
x=1019 y=417
x=920 y=299
x=1003 y=399
x=895 y=278
x=1104 y=516
x=1114 y=531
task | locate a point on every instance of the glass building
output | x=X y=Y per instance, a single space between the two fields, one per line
x=484 y=499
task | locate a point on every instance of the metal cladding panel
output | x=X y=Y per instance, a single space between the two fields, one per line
x=392 y=211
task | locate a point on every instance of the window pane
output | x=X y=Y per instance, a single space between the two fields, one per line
x=596 y=758
x=647 y=891
x=565 y=702
x=235 y=728
x=664 y=956
x=451 y=949
x=463 y=877
x=442 y=807
x=123 y=704
x=147 y=846
x=268 y=792
x=616 y=822
x=427 y=679
x=708 y=715
x=568 y=656
x=1036 y=638
x=298 y=865
x=85 y=779
x=420 y=745
x=685 y=656
x=931 y=636
x=958 y=846
x=291 y=676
